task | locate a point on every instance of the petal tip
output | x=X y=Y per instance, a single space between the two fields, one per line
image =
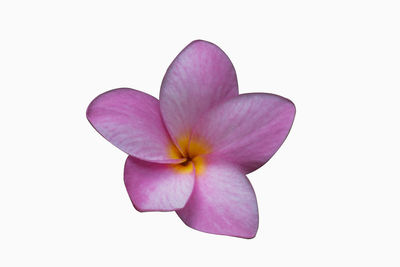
x=90 y=107
x=202 y=42
x=247 y=235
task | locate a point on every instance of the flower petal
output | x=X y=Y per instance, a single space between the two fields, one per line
x=222 y=202
x=200 y=77
x=131 y=121
x=157 y=187
x=248 y=129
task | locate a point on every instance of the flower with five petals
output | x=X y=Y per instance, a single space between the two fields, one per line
x=190 y=151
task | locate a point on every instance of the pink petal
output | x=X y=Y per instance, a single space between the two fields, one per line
x=222 y=202
x=248 y=129
x=131 y=121
x=200 y=77
x=157 y=187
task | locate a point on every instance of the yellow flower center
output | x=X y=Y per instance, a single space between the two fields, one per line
x=193 y=152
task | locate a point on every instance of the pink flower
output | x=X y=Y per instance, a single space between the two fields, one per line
x=190 y=151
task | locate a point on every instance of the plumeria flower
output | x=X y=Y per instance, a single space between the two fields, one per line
x=190 y=151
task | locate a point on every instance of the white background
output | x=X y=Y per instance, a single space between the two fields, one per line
x=329 y=197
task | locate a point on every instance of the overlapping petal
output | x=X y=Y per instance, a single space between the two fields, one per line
x=200 y=77
x=246 y=130
x=222 y=202
x=157 y=187
x=131 y=121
